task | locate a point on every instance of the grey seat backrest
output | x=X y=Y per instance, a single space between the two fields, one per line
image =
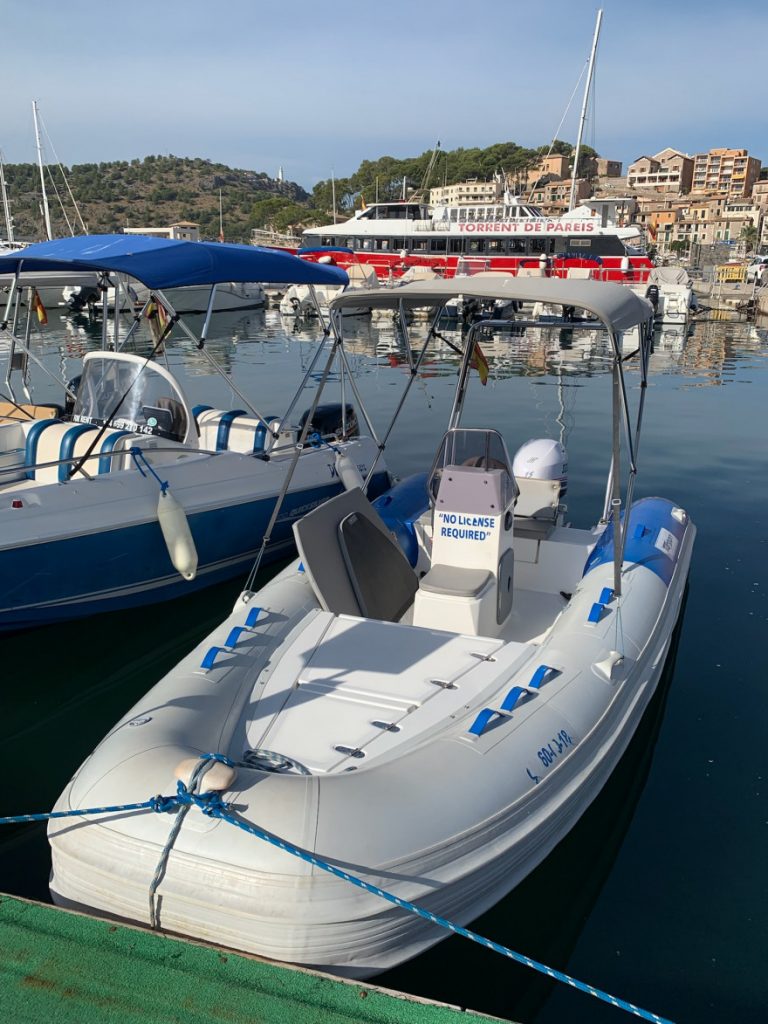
x=354 y=563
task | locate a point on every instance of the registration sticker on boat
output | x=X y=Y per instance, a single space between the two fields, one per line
x=667 y=542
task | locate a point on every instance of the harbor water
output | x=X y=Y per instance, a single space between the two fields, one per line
x=659 y=895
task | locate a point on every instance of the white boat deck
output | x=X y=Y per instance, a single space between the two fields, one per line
x=350 y=689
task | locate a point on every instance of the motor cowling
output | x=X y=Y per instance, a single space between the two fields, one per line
x=329 y=422
x=542 y=459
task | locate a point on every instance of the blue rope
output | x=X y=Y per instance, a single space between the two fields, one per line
x=317 y=441
x=213 y=806
x=222 y=812
x=138 y=454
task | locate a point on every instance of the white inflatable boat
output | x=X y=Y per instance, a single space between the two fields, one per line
x=430 y=698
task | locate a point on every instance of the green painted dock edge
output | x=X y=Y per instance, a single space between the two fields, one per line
x=62 y=967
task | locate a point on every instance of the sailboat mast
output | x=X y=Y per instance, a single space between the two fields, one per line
x=6 y=207
x=582 y=119
x=46 y=211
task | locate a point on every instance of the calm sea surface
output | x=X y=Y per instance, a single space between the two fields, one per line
x=660 y=895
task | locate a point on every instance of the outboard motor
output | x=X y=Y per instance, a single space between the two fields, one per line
x=542 y=459
x=329 y=423
x=652 y=294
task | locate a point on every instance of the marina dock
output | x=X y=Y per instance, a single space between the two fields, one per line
x=62 y=966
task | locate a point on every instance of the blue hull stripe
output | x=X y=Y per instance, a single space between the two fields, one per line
x=116 y=569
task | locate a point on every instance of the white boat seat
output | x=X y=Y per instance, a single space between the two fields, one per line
x=355 y=565
x=454 y=581
x=52 y=440
x=232 y=430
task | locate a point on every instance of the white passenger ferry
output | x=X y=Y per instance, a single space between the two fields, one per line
x=511 y=236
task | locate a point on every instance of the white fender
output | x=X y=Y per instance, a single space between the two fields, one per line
x=348 y=472
x=177 y=535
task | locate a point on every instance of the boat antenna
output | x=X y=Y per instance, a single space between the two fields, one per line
x=6 y=207
x=582 y=119
x=333 y=194
x=221 y=219
x=46 y=211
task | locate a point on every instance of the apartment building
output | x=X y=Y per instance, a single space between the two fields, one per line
x=472 y=191
x=730 y=171
x=669 y=171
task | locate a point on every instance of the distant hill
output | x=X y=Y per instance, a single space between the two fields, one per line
x=155 y=191
x=161 y=190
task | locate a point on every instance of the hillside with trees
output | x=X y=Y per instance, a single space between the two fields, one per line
x=162 y=190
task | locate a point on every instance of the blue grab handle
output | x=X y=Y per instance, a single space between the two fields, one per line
x=484 y=717
x=210 y=656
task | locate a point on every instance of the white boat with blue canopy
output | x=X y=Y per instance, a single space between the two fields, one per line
x=428 y=700
x=127 y=494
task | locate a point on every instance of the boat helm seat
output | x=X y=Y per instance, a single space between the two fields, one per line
x=355 y=565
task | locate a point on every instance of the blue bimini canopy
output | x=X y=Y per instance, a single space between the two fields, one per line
x=169 y=263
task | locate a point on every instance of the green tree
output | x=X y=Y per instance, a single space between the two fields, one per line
x=749 y=236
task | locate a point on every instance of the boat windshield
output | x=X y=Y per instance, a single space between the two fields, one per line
x=131 y=395
x=479 y=449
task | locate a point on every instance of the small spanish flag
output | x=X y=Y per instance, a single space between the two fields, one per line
x=362 y=200
x=480 y=363
x=39 y=308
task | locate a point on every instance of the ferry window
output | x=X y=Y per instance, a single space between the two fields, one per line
x=455 y=245
x=453 y=213
x=539 y=245
x=606 y=245
x=326 y=241
x=398 y=243
x=419 y=245
x=476 y=245
x=580 y=243
x=517 y=246
x=495 y=245
x=383 y=243
x=462 y=214
x=349 y=243
x=437 y=245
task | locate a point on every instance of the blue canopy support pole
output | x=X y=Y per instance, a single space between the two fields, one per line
x=119 y=291
x=104 y=285
x=208 y=315
x=137 y=318
x=26 y=353
x=318 y=309
x=212 y=362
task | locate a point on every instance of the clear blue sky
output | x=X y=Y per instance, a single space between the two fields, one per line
x=318 y=87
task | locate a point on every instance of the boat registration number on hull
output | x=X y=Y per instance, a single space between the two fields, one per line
x=550 y=752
